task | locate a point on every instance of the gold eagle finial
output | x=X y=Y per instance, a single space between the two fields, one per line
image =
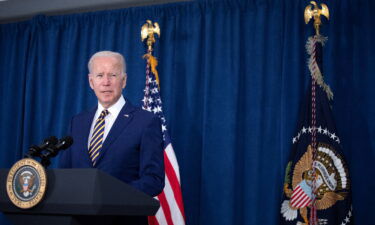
x=147 y=32
x=315 y=13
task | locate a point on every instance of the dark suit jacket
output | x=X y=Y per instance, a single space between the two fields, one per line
x=131 y=152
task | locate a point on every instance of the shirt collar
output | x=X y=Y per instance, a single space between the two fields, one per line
x=115 y=108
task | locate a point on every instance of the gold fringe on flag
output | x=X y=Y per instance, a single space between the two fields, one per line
x=153 y=62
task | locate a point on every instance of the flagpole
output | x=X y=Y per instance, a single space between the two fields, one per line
x=171 y=211
x=317 y=185
x=313 y=11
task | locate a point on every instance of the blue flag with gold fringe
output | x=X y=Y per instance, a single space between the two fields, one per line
x=317 y=186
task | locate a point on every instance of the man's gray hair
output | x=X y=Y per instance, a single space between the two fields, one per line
x=108 y=54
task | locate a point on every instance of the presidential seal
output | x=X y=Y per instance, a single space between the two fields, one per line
x=26 y=183
x=332 y=183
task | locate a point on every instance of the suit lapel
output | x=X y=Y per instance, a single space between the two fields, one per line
x=86 y=126
x=123 y=119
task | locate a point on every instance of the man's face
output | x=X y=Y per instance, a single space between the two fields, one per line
x=107 y=80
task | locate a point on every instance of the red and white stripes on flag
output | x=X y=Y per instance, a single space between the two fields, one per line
x=171 y=211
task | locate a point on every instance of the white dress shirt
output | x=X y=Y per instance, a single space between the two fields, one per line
x=110 y=119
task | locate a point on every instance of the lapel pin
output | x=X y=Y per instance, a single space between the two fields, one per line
x=126 y=115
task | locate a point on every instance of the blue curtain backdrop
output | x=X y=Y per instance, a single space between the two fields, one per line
x=232 y=75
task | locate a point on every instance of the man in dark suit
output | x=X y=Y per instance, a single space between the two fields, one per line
x=116 y=137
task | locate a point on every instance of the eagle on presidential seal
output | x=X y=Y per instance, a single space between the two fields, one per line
x=26 y=182
x=331 y=183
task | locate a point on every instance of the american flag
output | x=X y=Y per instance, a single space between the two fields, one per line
x=171 y=211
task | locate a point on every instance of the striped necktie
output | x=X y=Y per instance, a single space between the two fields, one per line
x=97 y=137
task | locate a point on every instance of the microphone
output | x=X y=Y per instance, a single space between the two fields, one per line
x=35 y=150
x=53 y=150
x=64 y=143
